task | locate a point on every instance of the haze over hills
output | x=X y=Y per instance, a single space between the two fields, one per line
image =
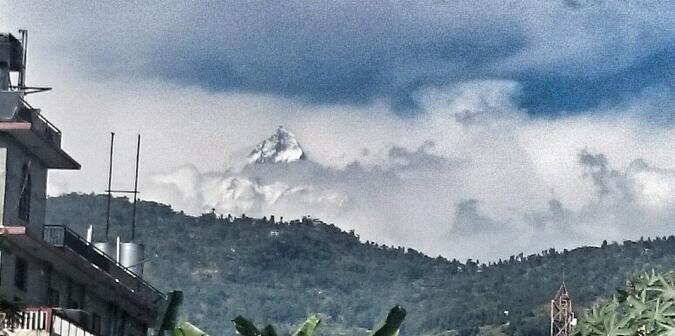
x=277 y=272
x=462 y=199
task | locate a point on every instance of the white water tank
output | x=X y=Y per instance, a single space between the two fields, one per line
x=108 y=248
x=131 y=256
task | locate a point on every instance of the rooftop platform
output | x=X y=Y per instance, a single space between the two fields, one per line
x=71 y=253
x=33 y=131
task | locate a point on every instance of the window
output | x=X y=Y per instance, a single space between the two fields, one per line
x=20 y=274
x=96 y=323
x=53 y=297
x=24 y=198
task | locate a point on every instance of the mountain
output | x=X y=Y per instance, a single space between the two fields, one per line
x=279 y=272
x=280 y=147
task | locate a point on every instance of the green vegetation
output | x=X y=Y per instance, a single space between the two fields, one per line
x=245 y=328
x=280 y=273
x=645 y=307
x=390 y=326
x=187 y=329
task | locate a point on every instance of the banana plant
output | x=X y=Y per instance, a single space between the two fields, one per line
x=309 y=327
x=187 y=329
x=392 y=324
x=645 y=307
x=245 y=327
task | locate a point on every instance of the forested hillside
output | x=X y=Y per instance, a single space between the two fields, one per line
x=280 y=272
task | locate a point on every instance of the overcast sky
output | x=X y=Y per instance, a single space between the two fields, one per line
x=469 y=129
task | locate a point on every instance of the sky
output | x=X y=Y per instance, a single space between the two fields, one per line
x=469 y=129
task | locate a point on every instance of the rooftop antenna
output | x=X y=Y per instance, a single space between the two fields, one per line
x=17 y=64
x=133 y=221
x=110 y=191
x=24 y=43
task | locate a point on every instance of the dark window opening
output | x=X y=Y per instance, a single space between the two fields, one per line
x=53 y=297
x=96 y=323
x=20 y=274
x=24 y=198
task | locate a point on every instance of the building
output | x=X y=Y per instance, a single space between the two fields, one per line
x=66 y=285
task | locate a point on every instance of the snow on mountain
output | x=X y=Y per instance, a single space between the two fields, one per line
x=237 y=193
x=252 y=189
x=281 y=147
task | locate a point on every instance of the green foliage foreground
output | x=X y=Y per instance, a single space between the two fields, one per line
x=645 y=307
x=390 y=326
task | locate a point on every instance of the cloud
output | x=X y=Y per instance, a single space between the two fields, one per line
x=495 y=186
x=567 y=57
x=468 y=220
x=204 y=94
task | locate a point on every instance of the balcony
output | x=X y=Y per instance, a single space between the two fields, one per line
x=40 y=125
x=28 y=126
x=45 y=322
x=63 y=237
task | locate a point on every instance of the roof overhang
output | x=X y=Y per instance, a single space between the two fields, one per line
x=51 y=155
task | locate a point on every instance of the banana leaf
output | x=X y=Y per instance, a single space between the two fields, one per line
x=309 y=327
x=268 y=331
x=244 y=327
x=169 y=312
x=187 y=329
x=392 y=324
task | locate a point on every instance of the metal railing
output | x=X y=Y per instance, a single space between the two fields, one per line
x=41 y=125
x=64 y=237
x=48 y=320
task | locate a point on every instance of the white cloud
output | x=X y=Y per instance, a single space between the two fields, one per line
x=472 y=142
x=532 y=190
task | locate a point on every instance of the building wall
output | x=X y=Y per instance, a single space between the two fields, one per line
x=41 y=277
x=16 y=157
x=3 y=177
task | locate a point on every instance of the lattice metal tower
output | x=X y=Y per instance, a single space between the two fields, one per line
x=562 y=316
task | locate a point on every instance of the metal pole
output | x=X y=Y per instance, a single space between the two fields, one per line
x=133 y=220
x=110 y=171
x=24 y=42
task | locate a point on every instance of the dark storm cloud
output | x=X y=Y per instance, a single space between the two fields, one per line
x=557 y=93
x=604 y=178
x=568 y=55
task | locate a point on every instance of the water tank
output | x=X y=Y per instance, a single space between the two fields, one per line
x=108 y=248
x=131 y=256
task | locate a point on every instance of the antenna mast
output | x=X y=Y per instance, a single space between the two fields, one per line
x=24 y=43
x=133 y=221
x=110 y=171
x=110 y=191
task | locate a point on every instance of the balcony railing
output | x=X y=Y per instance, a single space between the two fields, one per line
x=45 y=321
x=61 y=236
x=13 y=107
x=40 y=125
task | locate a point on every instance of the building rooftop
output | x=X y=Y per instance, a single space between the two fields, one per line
x=63 y=247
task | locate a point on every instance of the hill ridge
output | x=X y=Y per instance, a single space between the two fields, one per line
x=277 y=273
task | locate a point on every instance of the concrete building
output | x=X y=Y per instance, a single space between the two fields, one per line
x=67 y=286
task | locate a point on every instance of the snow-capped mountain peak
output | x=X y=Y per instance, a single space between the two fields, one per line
x=281 y=147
